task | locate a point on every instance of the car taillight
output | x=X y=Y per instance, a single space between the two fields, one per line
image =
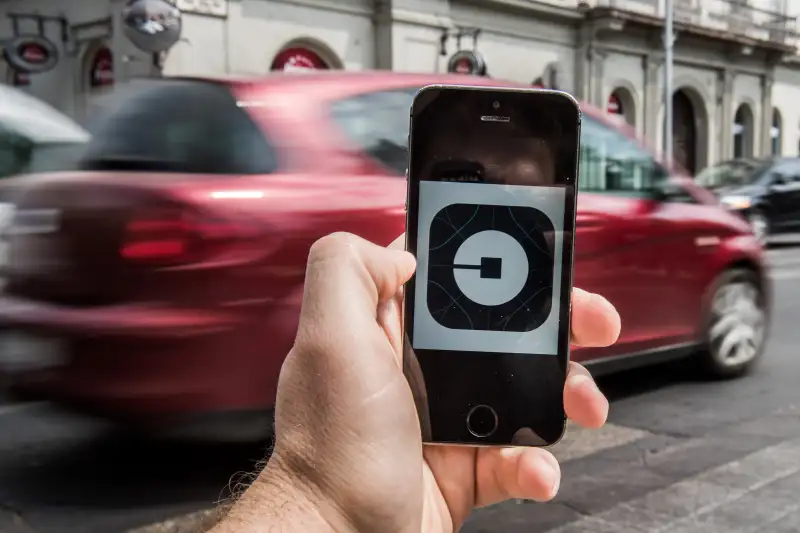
x=179 y=237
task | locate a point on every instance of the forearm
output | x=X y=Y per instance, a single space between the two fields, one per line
x=274 y=503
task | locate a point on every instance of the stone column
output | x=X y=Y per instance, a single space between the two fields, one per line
x=583 y=65
x=652 y=102
x=767 y=81
x=725 y=110
x=598 y=75
x=383 y=25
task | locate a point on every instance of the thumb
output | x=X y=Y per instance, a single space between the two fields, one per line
x=347 y=274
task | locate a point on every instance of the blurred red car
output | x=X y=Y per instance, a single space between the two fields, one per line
x=162 y=282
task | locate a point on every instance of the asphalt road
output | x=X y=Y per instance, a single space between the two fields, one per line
x=679 y=455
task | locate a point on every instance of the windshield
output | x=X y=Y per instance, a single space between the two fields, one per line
x=180 y=126
x=731 y=174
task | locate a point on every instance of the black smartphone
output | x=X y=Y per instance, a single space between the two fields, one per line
x=492 y=180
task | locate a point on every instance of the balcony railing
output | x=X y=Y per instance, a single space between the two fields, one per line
x=736 y=17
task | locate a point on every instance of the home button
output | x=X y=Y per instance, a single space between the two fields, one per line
x=482 y=421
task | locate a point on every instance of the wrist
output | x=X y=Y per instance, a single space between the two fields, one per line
x=279 y=501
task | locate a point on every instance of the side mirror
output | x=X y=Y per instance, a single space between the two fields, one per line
x=663 y=192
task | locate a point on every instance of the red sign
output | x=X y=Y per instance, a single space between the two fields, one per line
x=463 y=66
x=30 y=53
x=101 y=72
x=34 y=53
x=614 y=105
x=467 y=62
x=298 y=59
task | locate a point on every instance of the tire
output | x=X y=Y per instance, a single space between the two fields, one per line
x=735 y=325
x=760 y=224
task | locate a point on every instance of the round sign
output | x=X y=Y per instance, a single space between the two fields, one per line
x=31 y=53
x=298 y=59
x=467 y=62
x=101 y=71
x=152 y=26
x=614 y=105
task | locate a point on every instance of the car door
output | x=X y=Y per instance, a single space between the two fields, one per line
x=686 y=239
x=615 y=252
x=784 y=195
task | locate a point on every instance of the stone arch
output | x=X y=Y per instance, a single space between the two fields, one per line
x=629 y=97
x=86 y=96
x=701 y=100
x=323 y=50
x=744 y=129
x=87 y=59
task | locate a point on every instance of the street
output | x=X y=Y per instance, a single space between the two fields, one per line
x=678 y=455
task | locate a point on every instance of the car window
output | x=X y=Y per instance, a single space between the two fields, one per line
x=612 y=163
x=21 y=155
x=181 y=126
x=735 y=173
x=377 y=123
x=15 y=152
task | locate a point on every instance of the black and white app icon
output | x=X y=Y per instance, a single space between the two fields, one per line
x=490 y=267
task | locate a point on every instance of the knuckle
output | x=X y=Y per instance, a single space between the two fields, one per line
x=334 y=245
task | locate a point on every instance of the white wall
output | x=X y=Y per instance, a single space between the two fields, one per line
x=786 y=98
x=520 y=48
x=626 y=72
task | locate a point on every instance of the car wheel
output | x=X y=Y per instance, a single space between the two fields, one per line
x=736 y=324
x=760 y=224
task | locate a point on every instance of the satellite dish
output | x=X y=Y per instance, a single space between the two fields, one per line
x=151 y=25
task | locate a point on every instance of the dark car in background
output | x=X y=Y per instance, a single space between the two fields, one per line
x=161 y=283
x=765 y=191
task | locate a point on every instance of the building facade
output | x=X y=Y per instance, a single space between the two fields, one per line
x=737 y=85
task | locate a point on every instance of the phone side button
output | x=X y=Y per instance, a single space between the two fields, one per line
x=482 y=421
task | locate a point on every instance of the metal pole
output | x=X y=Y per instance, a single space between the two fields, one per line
x=669 y=39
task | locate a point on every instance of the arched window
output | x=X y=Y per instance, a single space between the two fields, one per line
x=776 y=132
x=743 y=132
x=621 y=106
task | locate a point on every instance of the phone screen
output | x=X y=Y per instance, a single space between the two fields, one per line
x=491 y=214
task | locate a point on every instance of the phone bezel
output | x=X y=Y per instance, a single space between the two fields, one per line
x=568 y=259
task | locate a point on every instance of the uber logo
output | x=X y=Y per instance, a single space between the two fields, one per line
x=490 y=267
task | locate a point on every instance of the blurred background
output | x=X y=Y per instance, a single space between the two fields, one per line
x=166 y=165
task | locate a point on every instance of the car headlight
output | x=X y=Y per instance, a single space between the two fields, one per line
x=735 y=202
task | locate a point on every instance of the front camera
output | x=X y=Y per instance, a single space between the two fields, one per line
x=496 y=104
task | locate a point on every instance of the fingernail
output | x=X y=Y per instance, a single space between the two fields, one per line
x=584 y=381
x=555 y=472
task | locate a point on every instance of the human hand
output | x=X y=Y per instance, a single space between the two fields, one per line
x=348 y=454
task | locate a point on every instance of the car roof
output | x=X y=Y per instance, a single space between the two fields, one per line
x=769 y=160
x=37 y=120
x=328 y=82
x=327 y=85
